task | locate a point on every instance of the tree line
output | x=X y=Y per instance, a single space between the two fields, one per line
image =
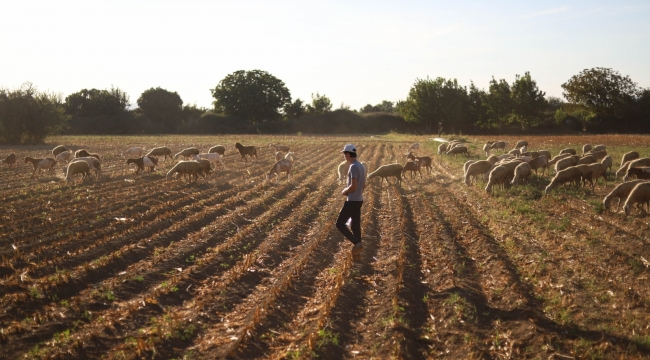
x=598 y=100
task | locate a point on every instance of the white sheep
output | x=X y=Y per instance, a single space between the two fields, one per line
x=64 y=156
x=632 y=163
x=281 y=166
x=569 y=175
x=632 y=155
x=191 y=168
x=568 y=151
x=77 y=167
x=93 y=163
x=187 y=153
x=608 y=162
x=497 y=176
x=599 y=148
x=134 y=152
x=343 y=167
x=639 y=195
x=586 y=148
x=620 y=192
x=499 y=145
x=45 y=164
x=522 y=173
x=476 y=169
x=57 y=150
x=220 y=149
x=466 y=165
x=565 y=163
x=160 y=151
x=214 y=158
x=386 y=171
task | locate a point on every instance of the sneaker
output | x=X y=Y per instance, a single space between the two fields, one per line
x=357 y=249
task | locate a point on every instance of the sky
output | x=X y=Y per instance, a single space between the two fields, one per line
x=353 y=52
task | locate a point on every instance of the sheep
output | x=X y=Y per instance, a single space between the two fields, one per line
x=565 y=163
x=214 y=158
x=569 y=175
x=343 y=167
x=386 y=171
x=442 y=148
x=206 y=166
x=47 y=163
x=492 y=159
x=10 y=160
x=487 y=148
x=191 y=168
x=187 y=153
x=414 y=147
x=586 y=148
x=505 y=156
x=522 y=173
x=632 y=155
x=497 y=176
x=424 y=161
x=467 y=164
x=281 y=166
x=92 y=162
x=83 y=153
x=413 y=167
x=538 y=162
x=246 y=150
x=607 y=161
x=160 y=151
x=58 y=149
x=620 y=192
x=509 y=165
x=64 y=156
x=599 y=155
x=639 y=195
x=545 y=153
x=282 y=148
x=514 y=152
x=598 y=170
x=587 y=174
x=568 y=151
x=458 y=150
x=134 y=151
x=589 y=159
x=532 y=154
x=558 y=158
x=219 y=149
x=632 y=163
x=279 y=155
x=521 y=143
x=642 y=172
x=599 y=148
x=143 y=162
x=499 y=145
x=77 y=167
x=476 y=169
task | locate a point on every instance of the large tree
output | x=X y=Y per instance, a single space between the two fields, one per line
x=498 y=102
x=162 y=106
x=92 y=103
x=27 y=115
x=252 y=95
x=320 y=104
x=440 y=101
x=599 y=92
x=528 y=102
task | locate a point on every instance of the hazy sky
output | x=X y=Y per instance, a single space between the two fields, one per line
x=354 y=52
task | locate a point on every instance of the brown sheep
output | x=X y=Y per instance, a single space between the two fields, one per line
x=187 y=153
x=246 y=150
x=141 y=163
x=599 y=155
x=589 y=159
x=413 y=167
x=191 y=168
x=630 y=164
x=629 y=156
x=598 y=170
x=45 y=164
x=568 y=151
x=219 y=149
x=425 y=161
x=586 y=148
x=499 y=145
x=458 y=150
x=10 y=160
x=160 y=151
x=642 y=172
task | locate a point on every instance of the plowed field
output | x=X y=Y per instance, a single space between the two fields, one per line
x=232 y=266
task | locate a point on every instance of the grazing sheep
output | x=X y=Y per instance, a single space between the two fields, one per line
x=458 y=150
x=545 y=153
x=160 y=151
x=476 y=169
x=492 y=159
x=45 y=164
x=58 y=149
x=386 y=171
x=639 y=195
x=424 y=161
x=589 y=159
x=64 y=156
x=83 y=153
x=642 y=172
x=499 y=145
x=219 y=149
x=521 y=143
x=134 y=151
x=206 y=166
x=246 y=150
x=498 y=176
x=10 y=160
x=282 y=148
x=190 y=168
x=568 y=151
x=599 y=148
x=599 y=155
x=144 y=162
x=607 y=161
x=565 y=163
x=283 y=165
x=343 y=167
x=514 y=152
x=586 y=148
x=558 y=158
x=214 y=158
x=466 y=165
x=598 y=170
x=187 y=153
x=569 y=175
x=414 y=147
x=509 y=165
x=413 y=167
x=279 y=155
x=538 y=162
x=522 y=173
x=531 y=154
x=92 y=162
x=587 y=174
x=630 y=164
x=442 y=148
x=632 y=155
x=620 y=192
x=77 y=167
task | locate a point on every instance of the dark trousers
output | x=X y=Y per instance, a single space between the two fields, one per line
x=351 y=209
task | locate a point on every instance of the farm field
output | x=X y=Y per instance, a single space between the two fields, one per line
x=235 y=267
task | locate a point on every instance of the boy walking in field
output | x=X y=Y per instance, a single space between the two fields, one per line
x=354 y=199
